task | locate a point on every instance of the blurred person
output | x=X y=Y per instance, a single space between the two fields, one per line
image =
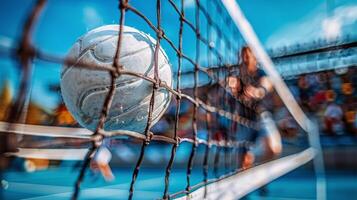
x=313 y=81
x=350 y=116
x=353 y=77
x=318 y=99
x=255 y=82
x=347 y=88
x=335 y=82
x=254 y=85
x=355 y=124
x=330 y=95
x=349 y=110
x=303 y=91
x=323 y=78
x=333 y=116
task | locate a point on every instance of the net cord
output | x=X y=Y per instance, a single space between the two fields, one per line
x=237 y=184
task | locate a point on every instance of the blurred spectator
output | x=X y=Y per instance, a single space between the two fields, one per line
x=349 y=109
x=313 y=81
x=333 y=118
x=335 y=82
x=304 y=90
x=355 y=124
x=317 y=99
x=347 y=88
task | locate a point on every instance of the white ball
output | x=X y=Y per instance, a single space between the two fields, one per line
x=84 y=90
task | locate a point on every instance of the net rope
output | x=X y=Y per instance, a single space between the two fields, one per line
x=26 y=52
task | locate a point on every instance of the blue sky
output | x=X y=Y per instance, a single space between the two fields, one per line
x=277 y=22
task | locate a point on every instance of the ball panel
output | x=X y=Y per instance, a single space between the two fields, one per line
x=95 y=99
x=134 y=119
x=108 y=35
x=127 y=99
x=138 y=123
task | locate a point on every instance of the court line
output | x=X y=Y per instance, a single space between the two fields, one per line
x=276 y=198
x=30 y=188
x=108 y=190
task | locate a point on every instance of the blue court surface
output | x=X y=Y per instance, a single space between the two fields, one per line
x=56 y=184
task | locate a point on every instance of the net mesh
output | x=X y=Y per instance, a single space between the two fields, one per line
x=214 y=58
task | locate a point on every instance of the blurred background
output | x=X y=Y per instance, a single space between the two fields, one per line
x=312 y=43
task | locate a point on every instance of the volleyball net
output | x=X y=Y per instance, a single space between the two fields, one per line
x=203 y=50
